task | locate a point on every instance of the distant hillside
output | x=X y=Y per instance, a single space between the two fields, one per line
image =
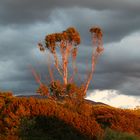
x=37 y=118
x=44 y=97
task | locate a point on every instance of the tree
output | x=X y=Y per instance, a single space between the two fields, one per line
x=67 y=42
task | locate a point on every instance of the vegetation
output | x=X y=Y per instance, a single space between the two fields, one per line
x=48 y=119
x=67 y=42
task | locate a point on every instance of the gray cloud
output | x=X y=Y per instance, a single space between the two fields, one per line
x=21 y=12
x=24 y=23
x=115 y=24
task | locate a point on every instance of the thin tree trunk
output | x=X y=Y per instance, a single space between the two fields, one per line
x=91 y=73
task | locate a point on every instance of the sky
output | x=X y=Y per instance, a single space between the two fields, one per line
x=24 y=23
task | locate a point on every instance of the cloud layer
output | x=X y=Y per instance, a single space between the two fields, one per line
x=16 y=11
x=24 y=23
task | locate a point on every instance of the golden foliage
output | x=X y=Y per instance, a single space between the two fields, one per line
x=43 y=90
x=117 y=119
x=70 y=35
x=58 y=90
x=97 y=31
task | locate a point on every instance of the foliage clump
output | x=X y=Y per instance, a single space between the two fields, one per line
x=70 y=35
x=58 y=90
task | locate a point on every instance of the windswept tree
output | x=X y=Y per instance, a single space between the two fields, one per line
x=67 y=43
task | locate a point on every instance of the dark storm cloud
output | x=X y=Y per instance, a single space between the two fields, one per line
x=117 y=18
x=24 y=23
x=115 y=24
x=15 y=11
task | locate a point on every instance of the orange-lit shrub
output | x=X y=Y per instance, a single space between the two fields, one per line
x=43 y=90
x=117 y=119
x=58 y=90
x=74 y=91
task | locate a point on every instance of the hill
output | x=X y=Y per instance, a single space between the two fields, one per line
x=46 y=119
